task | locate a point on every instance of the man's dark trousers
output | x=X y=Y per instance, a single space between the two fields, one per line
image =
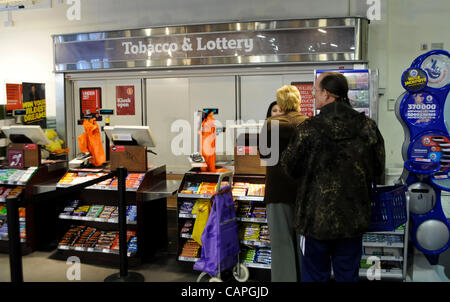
x=344 y=255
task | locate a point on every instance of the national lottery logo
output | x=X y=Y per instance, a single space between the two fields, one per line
x=434 y=71
x=413 y=73
x=429 y=98
x=437 y=68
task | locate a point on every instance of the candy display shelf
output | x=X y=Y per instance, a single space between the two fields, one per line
x=196 y=186
x=93 y=250
x=384 y=258
x=19 y=183
x=250 y=198
x=248 y=191
x=5 y=238
x=92 y=240
x=188 y=259
x=94 y=219
x=96 y=207
x=396 y=232
x=256 y=220
x=188 y=195
x=257 y=265
x=383 y=244
x=388 y=247
x=255 y=243
x=71 y=178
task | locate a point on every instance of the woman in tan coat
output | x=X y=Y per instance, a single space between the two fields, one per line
x=280 y=192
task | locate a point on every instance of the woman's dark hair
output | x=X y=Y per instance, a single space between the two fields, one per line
x=269 y=111
x=336 y=84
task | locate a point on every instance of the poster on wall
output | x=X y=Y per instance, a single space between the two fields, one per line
x=307 y=102
x=14 y=97
x=90 y=102
x=34 y=104
x=125 y=100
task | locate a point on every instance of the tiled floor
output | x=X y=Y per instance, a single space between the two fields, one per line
x=38 y=267
x=42 y=267
x=422 y=271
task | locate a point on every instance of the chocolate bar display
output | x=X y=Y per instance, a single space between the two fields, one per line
x=133 y=180
x=83 y=238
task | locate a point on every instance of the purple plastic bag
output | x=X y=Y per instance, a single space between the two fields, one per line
x=220 y=239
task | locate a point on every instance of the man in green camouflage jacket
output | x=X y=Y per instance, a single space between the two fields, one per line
x=336 y=157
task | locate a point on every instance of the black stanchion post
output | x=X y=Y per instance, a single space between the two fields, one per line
x=123 y=275
x=15 y=251
x=123 y=247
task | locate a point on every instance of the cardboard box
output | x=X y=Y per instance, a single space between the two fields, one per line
x=247 y=162
x=31 y=155
x=134 y=158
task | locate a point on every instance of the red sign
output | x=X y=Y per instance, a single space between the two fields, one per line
x=91 y=101
x=307 y=103
x=16 y=159
x=118 y=148
x=125 y=100
x=30 y=146
x=14 y=97
x=247 y=150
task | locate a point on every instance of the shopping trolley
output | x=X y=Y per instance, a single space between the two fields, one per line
x=220 y=239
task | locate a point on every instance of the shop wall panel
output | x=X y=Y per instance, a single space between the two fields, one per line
x=111 y=102
x=79 y=129
x=167 y=102
x=108 y=96
x=308 y=76
x=214 y=92
x=257 y=92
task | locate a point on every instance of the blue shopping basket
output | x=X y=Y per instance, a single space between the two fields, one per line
x=388 y=208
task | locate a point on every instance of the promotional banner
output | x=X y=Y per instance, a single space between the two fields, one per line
x=14 y=97
x=91 y=101
x=414 y=80
x=430 y=147
x=125 y=100
x=421 y=109
x=34 y=104
x=307 y=102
